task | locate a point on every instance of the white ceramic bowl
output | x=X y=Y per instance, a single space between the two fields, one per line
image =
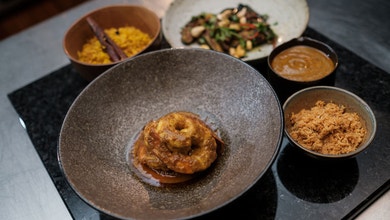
x=287 y=18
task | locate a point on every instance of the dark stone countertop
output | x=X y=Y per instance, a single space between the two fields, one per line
x=320 y=189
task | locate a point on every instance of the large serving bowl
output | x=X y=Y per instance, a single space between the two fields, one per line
x=228 y=94
x=113 y=16
x=288 y=19
x=306 y=99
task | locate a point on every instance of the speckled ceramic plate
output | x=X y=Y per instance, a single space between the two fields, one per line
x=102 y=122
x=287 y=18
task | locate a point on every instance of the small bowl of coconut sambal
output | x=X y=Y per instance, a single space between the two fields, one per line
x=300 y=63
x=107 y=36
x=327 y=122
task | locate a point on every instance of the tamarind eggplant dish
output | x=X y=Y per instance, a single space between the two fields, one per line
x=175 y=148
x=234 y=31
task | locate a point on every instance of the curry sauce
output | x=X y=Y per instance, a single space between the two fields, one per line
x=302 y=63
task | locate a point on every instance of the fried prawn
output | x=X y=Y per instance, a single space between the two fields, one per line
x=180 y=142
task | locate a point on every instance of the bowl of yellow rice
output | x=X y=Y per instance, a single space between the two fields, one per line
x=134 y=29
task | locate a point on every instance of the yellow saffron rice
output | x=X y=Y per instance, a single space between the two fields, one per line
x=130 y=39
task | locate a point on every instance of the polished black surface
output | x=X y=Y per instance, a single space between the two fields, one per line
x=295 y=187
x=359 y=25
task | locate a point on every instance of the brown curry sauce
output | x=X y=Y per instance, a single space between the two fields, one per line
x=302 y=63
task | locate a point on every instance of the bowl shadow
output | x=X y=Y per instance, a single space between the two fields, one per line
x=259 y=202
x=314 y=180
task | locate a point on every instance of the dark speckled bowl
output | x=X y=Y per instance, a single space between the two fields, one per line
x=103 y=121
x=285 y=87
x=306 y=99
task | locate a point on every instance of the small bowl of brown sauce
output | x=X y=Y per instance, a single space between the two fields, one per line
x=300 y=63
x=328 y=122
